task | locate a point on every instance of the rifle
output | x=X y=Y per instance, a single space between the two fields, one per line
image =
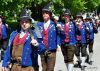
x=33 y=39
x=36 y=29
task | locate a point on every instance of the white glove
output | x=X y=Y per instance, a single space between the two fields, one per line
x=87 y=28
x=59 y=27
x=34 y=42
x=7 y=25
x=55 y=17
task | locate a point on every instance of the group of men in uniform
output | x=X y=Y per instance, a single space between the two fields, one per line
x=24 y=44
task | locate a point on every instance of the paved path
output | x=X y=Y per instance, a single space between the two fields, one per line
x=60 y=66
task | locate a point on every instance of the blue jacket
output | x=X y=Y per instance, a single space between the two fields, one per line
x=92 y=30
x=4 y=32
x=61 y=37
x=82 y=33
x=29 y=56
x=72 y=34
x=53 y=35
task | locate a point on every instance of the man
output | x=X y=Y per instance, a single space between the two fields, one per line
x=3 y=37
x=91 y=29
x=22 y=47
x=81 y=41
x=50 y=35
x=69 y=43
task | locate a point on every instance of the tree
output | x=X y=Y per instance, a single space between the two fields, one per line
x=9 y=7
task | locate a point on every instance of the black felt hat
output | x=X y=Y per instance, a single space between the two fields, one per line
x=25 y=14
x=67 y=12
x=47 y=8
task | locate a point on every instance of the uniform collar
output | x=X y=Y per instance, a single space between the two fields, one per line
x=46 y=24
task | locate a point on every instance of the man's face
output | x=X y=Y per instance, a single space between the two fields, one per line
x=46 y=16
x=67 y=18
x=25 y=24
x=79 y=19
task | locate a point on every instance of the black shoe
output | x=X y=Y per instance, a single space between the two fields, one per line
x=87 y=59
x=90 y=62
x=78 y=64
x=83 y=68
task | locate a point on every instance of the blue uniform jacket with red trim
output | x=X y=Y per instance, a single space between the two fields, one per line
x=53 y=35
x=29 y=56
x=92 y=30
x=82 y=33
x=72 y=34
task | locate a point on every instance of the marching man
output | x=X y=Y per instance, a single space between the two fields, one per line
x=91 y=29
x=69 y=43
x=50 y=32
x=22 y=47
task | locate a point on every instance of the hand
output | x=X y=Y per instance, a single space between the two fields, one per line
x=34 y=42
x=9 y=66
x=4 y=69
x=59 y=26
x=55 y=17
x=7 y=25
x=77 y=23
x=87 y=28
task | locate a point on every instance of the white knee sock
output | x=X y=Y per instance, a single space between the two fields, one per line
x=83 y=61
x=70 y=66
x=90 y=56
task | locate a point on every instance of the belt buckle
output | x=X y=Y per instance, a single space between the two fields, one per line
x=48 y=52
x=19 y=60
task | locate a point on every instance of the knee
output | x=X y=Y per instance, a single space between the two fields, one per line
x=69 y=61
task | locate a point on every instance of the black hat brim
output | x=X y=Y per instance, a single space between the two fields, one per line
x=22 y=18
x=79 y=16
x=67 y=14
x=46 y=10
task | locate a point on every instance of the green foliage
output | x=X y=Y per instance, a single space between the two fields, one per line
x=92 y=4
x=9 y=7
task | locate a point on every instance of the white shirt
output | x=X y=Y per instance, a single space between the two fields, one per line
x=22 y=33
x=46 y=24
